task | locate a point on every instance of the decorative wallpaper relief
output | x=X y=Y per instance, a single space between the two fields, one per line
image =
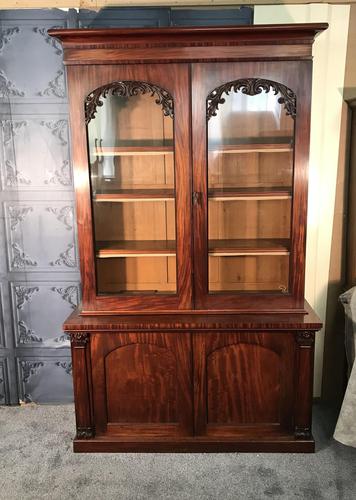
x=8 y=88
x=6 y=35
x=39 y=309
x=52 y=42
x=38 y=257
x=41 y=236
x=47 y=80
x=45 y=380
x=35 y=153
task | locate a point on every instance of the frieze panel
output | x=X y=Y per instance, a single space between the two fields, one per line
x=163 y=325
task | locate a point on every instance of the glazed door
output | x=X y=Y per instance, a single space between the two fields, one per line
x=244 y=384
x=250 y=149
x=142 y=384
x=134 y=206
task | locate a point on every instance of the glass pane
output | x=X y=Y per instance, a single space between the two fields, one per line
x=130 y=143
x=250 y=178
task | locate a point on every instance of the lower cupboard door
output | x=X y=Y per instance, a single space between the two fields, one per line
x=142 y=385
x=243 y=384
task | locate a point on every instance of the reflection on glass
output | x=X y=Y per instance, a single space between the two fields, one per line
x=130 y=144
x=250 y=172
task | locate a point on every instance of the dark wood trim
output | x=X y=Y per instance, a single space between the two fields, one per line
x=93 y=46
x=111 y=445
x=173 y=54
x=261 y=32
x=195 y=320
x=304 y=389
x=80 y=342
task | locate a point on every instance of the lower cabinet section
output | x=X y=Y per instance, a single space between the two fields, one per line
x=199 y=391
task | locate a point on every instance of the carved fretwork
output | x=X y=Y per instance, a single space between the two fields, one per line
x=79 y=339
x=252 y=86
x=127 y=89
x=305 y=338
x=302 y=432
x=85 y=432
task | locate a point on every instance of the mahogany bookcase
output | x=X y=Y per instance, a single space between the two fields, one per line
x=190 y=151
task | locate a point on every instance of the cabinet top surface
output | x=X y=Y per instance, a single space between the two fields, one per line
x=251 y=32
x=198 y=321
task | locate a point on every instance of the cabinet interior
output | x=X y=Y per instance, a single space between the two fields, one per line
x=250 y=185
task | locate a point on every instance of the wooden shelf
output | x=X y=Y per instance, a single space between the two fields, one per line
x=258 y=145
x=133 y=151
x=231 y=194
x=131 y=195
x=228 y=248
x=143 y=248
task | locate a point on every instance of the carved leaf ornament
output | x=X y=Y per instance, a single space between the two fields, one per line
x=252 y=86
x=127 y=89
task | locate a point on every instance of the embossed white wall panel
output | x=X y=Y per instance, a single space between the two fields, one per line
x=35 y=153
x=45 y=380
x=23 y=73
x=41 y=236
x=38 y=311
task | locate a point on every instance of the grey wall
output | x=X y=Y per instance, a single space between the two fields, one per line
x=39 y=275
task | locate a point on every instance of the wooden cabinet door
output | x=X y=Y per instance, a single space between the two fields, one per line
x=250 y=145
x=243 y=384
x=133 y=189
x=142 y=384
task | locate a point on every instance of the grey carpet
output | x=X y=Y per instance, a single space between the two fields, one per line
x=36 y=462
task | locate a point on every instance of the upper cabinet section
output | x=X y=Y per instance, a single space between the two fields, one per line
x=190 y=153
